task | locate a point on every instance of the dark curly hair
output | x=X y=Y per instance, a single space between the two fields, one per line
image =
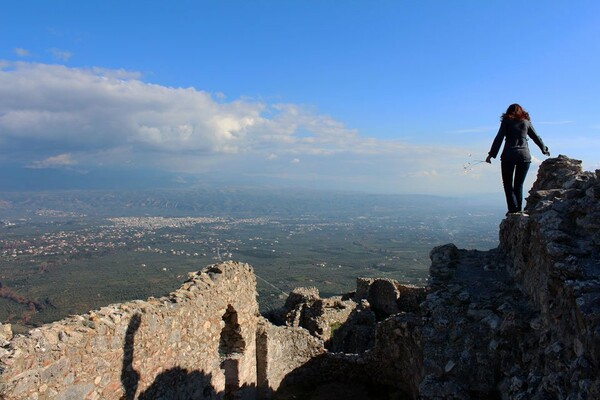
x=515 y=111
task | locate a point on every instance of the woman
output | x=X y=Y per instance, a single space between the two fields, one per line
x=515 y=158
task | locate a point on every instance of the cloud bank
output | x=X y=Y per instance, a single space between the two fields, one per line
x=21 y=52
x=61 y=160
x=53 y=116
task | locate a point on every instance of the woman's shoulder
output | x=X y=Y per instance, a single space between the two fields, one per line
x=517 y=122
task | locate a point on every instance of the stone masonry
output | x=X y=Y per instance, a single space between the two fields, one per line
x=197 y=343
x=521 y=321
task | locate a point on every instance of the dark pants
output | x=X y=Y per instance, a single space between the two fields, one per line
x=513 y=176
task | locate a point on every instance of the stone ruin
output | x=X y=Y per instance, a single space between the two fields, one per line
x=206 y=340
x=518 y=322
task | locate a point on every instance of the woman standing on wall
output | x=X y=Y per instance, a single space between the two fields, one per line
x=515 y=158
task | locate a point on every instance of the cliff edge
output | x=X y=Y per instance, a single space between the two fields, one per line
x=521 y=321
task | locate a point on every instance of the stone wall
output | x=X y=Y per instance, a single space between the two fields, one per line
x=282 y=349
x=521 y=321
x=199 y=342
x=553 y=250
x=207 y=341
x=203 y=341
x=555 y=253
x=367 y=359
x=306 y=309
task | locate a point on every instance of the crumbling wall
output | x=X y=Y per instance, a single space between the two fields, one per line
x=387 y=296
x=391 y=369
x=381 y=358
x=397 y=358
x=321 y=317
x=521 y=321
x=198 y=342
x=555 y=253
x=282 y=349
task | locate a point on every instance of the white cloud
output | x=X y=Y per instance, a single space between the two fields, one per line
x=61 y=160
x=61 y=55
x=111 y=118
x=21 y=52
x=92 y=109
x=426 y=174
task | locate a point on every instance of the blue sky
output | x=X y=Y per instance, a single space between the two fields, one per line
x=377 y=96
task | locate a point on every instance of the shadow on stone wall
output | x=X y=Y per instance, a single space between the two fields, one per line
x=174 y=383
x=130 y=377
x=307 y=381
x=179 y=383
x=356 y=335
x=335 y=377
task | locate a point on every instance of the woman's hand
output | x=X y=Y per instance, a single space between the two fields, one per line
x=546 y=152
x=489 y=159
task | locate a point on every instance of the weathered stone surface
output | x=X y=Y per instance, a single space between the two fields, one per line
x=553 y=250
x=281 y=349
x=357 y=334
x=305 y=308
x=475 y=324
x=443 y=262
x=5 y=332
x=348 y=323
x=141 y=348
x=521 y=321
x=387 y=296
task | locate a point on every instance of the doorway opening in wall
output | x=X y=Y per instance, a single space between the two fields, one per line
x=231 y=348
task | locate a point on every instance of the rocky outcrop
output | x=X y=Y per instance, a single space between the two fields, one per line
x=477 y=325
x=521 y=321
x=554 y=252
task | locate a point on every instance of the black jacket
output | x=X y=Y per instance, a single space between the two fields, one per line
x=515 y=133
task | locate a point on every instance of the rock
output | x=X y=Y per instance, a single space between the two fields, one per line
x=5 y=332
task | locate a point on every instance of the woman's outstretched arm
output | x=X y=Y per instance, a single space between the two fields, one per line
x=537 y=140
x=497 y=143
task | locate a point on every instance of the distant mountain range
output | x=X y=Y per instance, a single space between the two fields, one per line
x=234 y=201
x=19 y=178
x=114 y=192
